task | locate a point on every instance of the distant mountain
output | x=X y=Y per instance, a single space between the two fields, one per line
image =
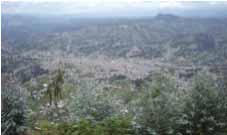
x=165 y=36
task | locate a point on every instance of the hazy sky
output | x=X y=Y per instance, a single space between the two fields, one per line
x=118 y=2
x=104 y=6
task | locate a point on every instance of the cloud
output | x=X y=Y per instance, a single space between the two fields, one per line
x=144 y=7
x=171 y=4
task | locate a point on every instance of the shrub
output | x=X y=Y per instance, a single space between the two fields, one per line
x=14 y=109
x=117 y=126
x=205 y=110
x=158 y=107
x=90 y=102
x=110 y=126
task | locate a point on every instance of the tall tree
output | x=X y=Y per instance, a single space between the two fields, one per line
x=58 y=85
x=55 y=88
x=49 y=93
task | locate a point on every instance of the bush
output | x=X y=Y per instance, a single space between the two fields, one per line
x=205 y=110
x=117 y=126
x=158 y=107
x=110 y=126
x=14 y=109
x=90 y=102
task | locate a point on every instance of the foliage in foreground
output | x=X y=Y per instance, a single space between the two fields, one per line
x=159 y=108
x=205 y=110
x=14 y=109
x=110 y=126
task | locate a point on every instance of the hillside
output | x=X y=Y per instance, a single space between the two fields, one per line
x=114 y=76
x=154 y=41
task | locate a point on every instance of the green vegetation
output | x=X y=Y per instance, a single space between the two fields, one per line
x=121 y=77
x=110 y=126
x=14 y=109
x=205 y=109
x=159 y=108
x=55 y=88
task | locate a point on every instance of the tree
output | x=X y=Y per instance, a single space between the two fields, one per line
x=91 y=102
x=49 y=93
x=14 y=108
x=205 y=109
x=55 y=88
x=58 y=85
x=160 y=104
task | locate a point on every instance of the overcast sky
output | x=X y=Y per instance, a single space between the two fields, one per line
x=109 y=7
x=118 y=2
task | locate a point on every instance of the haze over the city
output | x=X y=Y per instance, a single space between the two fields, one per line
x=114 y=8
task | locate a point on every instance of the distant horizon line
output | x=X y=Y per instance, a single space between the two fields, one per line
x=111 y=17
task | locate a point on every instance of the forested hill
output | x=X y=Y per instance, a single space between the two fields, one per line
x=66 y=75
x=198 y=40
